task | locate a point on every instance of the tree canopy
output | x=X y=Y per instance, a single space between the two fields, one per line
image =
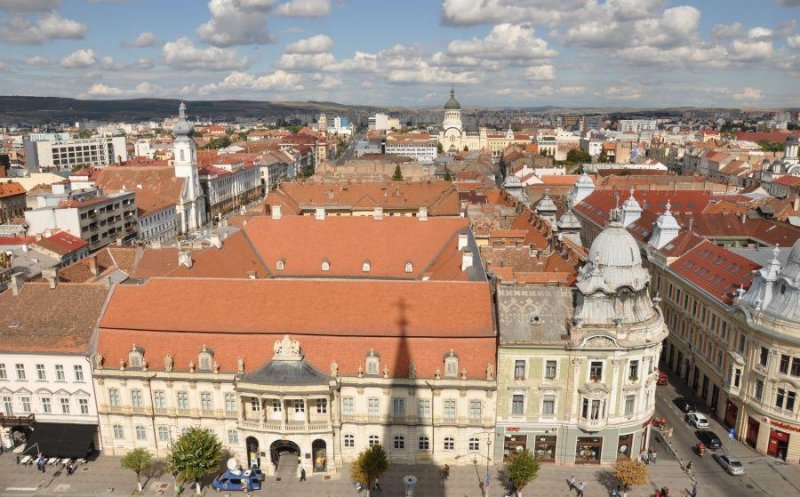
x=578 y=156
x=370 y=464
x=195 y=454
x=398 y=174
x=138 y=461
x=768 y=146
x=630 y=472
x=522 y=469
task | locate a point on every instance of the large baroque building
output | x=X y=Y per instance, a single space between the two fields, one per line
x=578 y=365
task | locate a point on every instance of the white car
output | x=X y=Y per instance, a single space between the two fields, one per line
x=697 y=420
x=730 y=463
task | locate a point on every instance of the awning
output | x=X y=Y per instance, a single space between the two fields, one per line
x=61 y=440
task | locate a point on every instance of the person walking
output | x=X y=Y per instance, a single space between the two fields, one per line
x=581 y=487
x=694 y=489
x=615 y=493
x=302 y=474
x=653 y=456
x=378 y=484
x=571 y=482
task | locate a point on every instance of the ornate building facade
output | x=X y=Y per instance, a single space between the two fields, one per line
x=192 y=206
x=577 y=381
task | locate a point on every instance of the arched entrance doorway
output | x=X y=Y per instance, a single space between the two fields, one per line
x=319 y=451
x=20 y=435
x=285 y=456
x=253 y=458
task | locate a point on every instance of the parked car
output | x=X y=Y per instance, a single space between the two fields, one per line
x=730 y=463
x=697 y=420
x=236 y=480
x=255 y=473
x=709 y=439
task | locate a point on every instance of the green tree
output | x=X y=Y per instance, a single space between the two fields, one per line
x=466 y=148
x=630 y=472
x=398 y=174
x=447 y=175
x=522 y=469
x=439 y=148
x=578 y=156
x=195 y=454
x=242 y=136
x=85 y=133
x=138 y=461
x=768 y=146
x=370 y=465
x=603 y=157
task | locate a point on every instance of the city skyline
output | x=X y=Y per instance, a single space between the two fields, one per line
x=631 y=53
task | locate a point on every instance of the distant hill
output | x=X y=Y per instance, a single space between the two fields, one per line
x=42 y=110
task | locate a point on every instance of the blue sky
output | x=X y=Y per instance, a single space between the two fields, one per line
x=635 y=53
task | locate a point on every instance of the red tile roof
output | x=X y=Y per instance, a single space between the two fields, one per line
x=10 y=189
x=61 y=243
x=715 y=270
x=159 y=186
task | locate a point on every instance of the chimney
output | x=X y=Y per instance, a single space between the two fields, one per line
x=215 y=240
x=319 y=214
x=185 y=258
x=423 y=214
x=377 y=213
x=744 y=217
x=466 y=260
x=51 y=276
x=93 y=265
x=16 y=283
x=796 y=205
x=462 y=240
x=251 y=275
x=275 y=210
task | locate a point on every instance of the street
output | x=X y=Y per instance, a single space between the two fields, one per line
x=764 y=475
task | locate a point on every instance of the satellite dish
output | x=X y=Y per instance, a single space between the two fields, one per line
x=233 y=465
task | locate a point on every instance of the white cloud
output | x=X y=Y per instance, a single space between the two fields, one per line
x=790 y=3
x=109 y=64
x=145 y=39
x=20 y=30
x=314 y=44
x=305 y=8
x=29 y=5
x=425 y=73
x=541 y=73
x=726 y=31
x=471 y=12
x=237 y=22
x=327 y=82
x=748 y=94
x=750 y=50
x=183 y=54
x=79 y=59
x=624 y=92
x=793 y=41
x=240 y=80
x=505 y=41
x=37 y=60
x=305 y=62
x=145 y=63
x=759 y=32
x=103 y=90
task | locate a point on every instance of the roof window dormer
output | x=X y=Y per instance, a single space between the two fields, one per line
x=373 y=363
x=205 y=359
x=136 y=357
x=451 y=364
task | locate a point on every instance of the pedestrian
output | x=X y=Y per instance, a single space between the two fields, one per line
x=649 y=456
x=19 y=458
x=654 y=455
x=657 y=493
x=571 y=482
x=302 y=474
x=378 y=484
x=244 y=485
x=446 y=471
x=615 y=493
x=581 y=486
x=694 y=489
x=664 y=492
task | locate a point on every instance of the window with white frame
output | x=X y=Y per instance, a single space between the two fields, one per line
x=233 y=437
x=409 y=268
x=113 y=397
x=474 y=409
x=366 y=266
x=206 y=402
x=424 y=443
x=630 y=404
x=550 y=370
x=373 y=364
x=78 y=372
x=277 y=407
x=373 y=406
x=451 y=365
x=423 y=408
x=374 y=440
x=633 y=370
x=160 y=399
x=26 y=404
x=136 y=398
x=593 y=409
x=255 y=404
x=326 y=266
x=8 y=405
x=449 y=443
x=3 y=372
x=348 y=406
x=64 y=401
x=474 y=444
x=135 y=358
x=519 y=369
x=322 y=406
x=517 y=404
x=230 y=402
x=399 y=442
x=548 y=405
x=141 y=432
x=398 y=407
x=119 y=434
x=60 y=375
x=83 y=406
x=596 y=371
x=349 y=441
x=41 y=374
x=183 y=400
x=163 y=433
x=299 y=406
x=449 y=408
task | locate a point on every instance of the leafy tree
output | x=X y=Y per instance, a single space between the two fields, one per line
x=578 y=156
x=603 y=157
x=522 y=469
x=768 y=146
x=138 y=461
x=242 y=135
x=466 y=148
x=195 y=454
x=370 y=465
x=439 y=148
x=85 y=133
x=630 y=472
x=447 y=175
x=398 y=174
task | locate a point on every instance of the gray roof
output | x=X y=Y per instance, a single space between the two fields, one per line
x=533 y=314
x=763 y=255
x=452 y=103
x=295 y=373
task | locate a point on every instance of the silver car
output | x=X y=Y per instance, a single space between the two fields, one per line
x=731 y=464
x=697 y=420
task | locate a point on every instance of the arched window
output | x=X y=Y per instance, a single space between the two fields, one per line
x=374 y=440
x=449 y=443
x=280 y=265
x=399 y=442
x=366 y=266
x=135 y=357
x=349 y=441
x=474 y=444
x=451 y=364
x=373 y=363
x=141 y=432
x=424 y=443
x=326 y=266
x=205 y=359
x=183 y=156
x=409 y=267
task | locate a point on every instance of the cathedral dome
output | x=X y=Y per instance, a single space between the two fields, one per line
x=614 y=246
x=452 y=104
x=791 y=272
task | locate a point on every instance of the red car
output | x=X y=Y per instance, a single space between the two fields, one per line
x=663 y=379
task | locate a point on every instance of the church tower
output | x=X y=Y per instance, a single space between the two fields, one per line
x=192 y=211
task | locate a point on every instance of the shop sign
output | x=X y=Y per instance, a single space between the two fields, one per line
x=512 y=429
x=785 y=426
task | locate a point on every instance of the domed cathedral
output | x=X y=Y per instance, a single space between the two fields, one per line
x=452 y=137
x=766 y=371
x=578 y=365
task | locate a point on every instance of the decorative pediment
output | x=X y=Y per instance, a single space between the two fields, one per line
x=594 y=390
x=737 y=357
x=287 y=349
x=599 y=342
x=43 y=391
